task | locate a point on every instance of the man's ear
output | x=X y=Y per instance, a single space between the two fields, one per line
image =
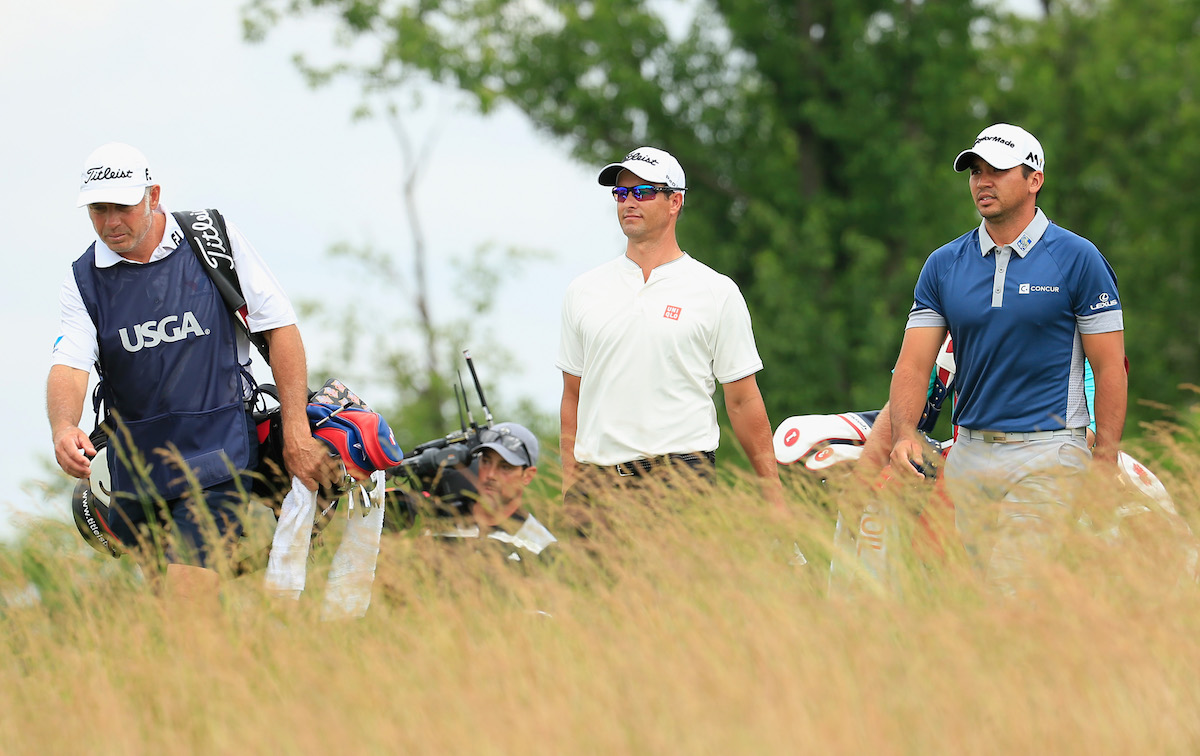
x=527 y=475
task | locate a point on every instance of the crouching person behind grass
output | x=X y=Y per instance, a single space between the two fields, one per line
x=505 y=462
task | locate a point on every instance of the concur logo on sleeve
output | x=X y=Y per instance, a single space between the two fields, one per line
x=1105 y=301
x=152 y=333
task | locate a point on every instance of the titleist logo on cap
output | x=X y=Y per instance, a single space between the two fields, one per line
x=641 y=157
x=104 y=173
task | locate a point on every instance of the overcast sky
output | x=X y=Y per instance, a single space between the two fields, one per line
x=231 y=125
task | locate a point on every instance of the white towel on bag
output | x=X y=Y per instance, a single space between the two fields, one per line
x=287 y=564
x=348 y=593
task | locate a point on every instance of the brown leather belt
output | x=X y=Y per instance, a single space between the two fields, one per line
x=645 y=465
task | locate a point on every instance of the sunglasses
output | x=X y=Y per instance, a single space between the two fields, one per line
x=507 y=440
x=641 y=192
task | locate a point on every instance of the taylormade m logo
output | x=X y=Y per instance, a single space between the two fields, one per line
x=168 y=330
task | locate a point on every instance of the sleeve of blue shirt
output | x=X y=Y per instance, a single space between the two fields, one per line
x=1095 y=300
x=927 y=295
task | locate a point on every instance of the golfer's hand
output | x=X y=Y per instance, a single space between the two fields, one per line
x=1105 y=460
x=308 y=459
x=73 y=451
x=906 y=455
x=772 y=491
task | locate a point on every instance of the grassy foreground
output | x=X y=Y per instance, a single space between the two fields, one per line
x=690 y=631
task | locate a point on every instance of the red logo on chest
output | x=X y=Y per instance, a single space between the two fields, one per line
x=672 y=312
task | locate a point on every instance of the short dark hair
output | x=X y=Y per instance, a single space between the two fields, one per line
x=1027 y=171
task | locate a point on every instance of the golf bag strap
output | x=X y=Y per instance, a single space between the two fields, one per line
x=97 y=399
x=206 y=232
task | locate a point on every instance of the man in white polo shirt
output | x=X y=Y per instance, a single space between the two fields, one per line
x=138 y=306
x=645 y=339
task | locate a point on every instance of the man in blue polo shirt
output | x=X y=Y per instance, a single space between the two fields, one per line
x=1025 y=301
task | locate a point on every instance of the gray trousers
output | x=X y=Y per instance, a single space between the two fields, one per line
x=1013 y=503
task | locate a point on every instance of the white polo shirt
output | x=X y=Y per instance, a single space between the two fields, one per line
x=266 y=303
x=649 y=355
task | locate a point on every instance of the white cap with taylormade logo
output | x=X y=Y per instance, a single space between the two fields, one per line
x=114 y=173
x=1004 y=146
x=649 y=164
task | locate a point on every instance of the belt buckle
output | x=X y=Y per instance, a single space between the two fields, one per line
x=621 y=470
x=995 y=437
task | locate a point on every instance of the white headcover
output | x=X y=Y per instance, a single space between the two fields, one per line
x=802 y=435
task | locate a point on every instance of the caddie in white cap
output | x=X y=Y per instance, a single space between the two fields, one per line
x=115 y=173
x=141 y=307
x=1028 y=303
x=645 y=340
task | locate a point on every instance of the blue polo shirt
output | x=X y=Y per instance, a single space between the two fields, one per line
x=1016 y=314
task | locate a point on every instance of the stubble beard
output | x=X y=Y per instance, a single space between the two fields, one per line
x=135 y=241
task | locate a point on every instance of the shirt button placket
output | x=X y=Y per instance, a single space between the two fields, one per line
x=998 y=281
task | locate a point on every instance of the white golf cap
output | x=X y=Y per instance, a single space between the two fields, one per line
x=1004 y=146
x=114 y=173
x=649 y=164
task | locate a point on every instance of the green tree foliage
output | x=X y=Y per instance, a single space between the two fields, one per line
x=817 y=137
x=1113 y=90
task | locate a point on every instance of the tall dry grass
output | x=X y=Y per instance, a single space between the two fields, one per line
x=690 y=628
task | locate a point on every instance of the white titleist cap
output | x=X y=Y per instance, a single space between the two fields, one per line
x=1004 y=146
x=114 y=173
x=649 y=164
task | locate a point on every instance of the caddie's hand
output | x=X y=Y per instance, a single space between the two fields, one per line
x=907 y=455
x=73 y=451
x=308 y=459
